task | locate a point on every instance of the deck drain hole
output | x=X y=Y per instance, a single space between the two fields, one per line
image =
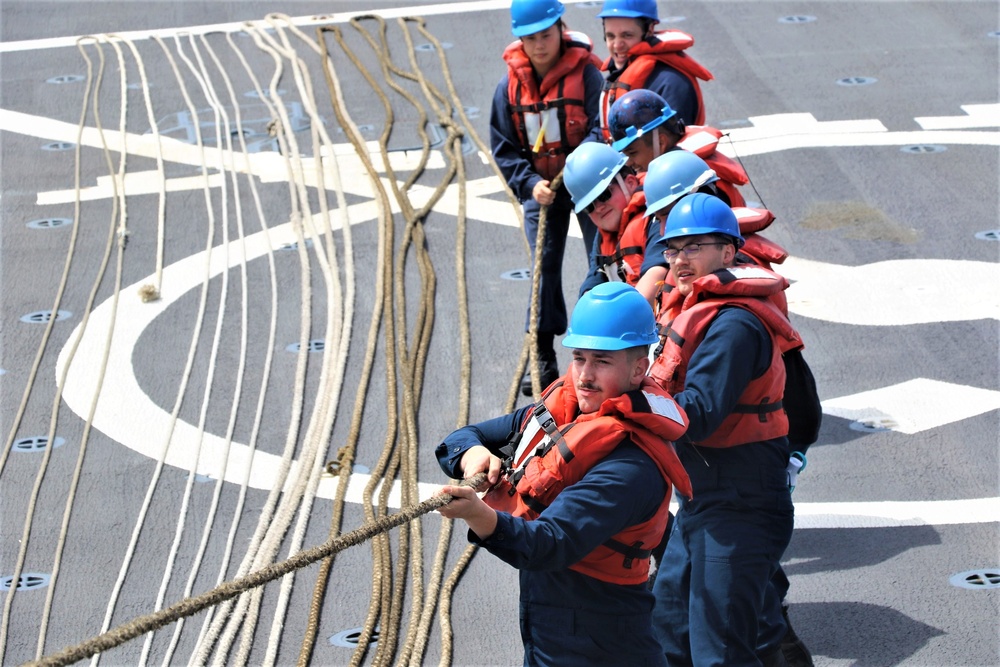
x=36 y=443
x=43 y=316
x=989 y=235
x=26 y=582
x=49 y=223
x=58 y=146
x=350 y=638
x=873 y=425
x=856 y=81
x=363 y=129
x=802 y=18
x=923 y=148
x=294 y=245
x=430 y=47
x=317 y=345
x=66 y=78
x=977 y=579
x=516 y=274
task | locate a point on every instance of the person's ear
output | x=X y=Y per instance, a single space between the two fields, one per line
x=729 y=254
x=640 y=369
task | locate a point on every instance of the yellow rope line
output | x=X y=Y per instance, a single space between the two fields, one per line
x=211 y=622
x=200 y=75
x=33 y=498
x=117 y=225
x=388 y=461
x=243 y=342
x=189 y=364
x=281 y=507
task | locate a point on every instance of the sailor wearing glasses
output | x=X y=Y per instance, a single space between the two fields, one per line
x=721 y=358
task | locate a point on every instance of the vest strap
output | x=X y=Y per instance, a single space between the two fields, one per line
x=631 y=552
x=762 y=409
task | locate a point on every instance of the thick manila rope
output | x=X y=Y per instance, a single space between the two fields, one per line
x=192 y=605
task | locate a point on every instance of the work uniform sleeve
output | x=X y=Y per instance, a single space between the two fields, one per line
x=655 y=245
x=493 y=433
x=506 y=146
x=622 y=490
x=676 y=89
x=736 y=349
x=593 y=84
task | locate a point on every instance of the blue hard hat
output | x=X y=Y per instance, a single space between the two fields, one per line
x=639 y=9
x=530 y=16
x=636 y=113
x=700 y=213
x=673 y=175
x=611 y=316
x=589 y=170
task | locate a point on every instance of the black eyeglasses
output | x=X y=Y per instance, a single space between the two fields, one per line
x=603 y=197
x=690 y=250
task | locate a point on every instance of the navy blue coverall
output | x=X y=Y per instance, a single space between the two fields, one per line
x=714 y=603
x=676 y=88
x=653 y=256
x=568 y=618
x=515 y=164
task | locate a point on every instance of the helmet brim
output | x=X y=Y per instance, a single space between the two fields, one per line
x=579 y=342
x=601 y=186
x=698 y=231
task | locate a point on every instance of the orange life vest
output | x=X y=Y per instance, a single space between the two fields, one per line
x=758 y=414
x=557 y=446
x=622 y=253
x=759 y=250
x=665 y=47
x=555 y=104
x=703 y=141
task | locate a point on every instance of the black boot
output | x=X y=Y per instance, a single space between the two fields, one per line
x=795 y=651
x=548 y=368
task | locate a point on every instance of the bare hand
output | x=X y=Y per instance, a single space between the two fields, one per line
x=542 y=194
x=465 y=504
x=478 y=459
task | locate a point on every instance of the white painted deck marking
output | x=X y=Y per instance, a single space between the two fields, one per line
x=894 y=292
x=123 y=395
x=977 y=115
x=887 y=514
x=300 y=21
x=915 y=405
x=127 y=415
x=781 y=132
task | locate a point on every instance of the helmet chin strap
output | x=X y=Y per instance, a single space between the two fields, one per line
x=621 y=184
x=656 y=142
